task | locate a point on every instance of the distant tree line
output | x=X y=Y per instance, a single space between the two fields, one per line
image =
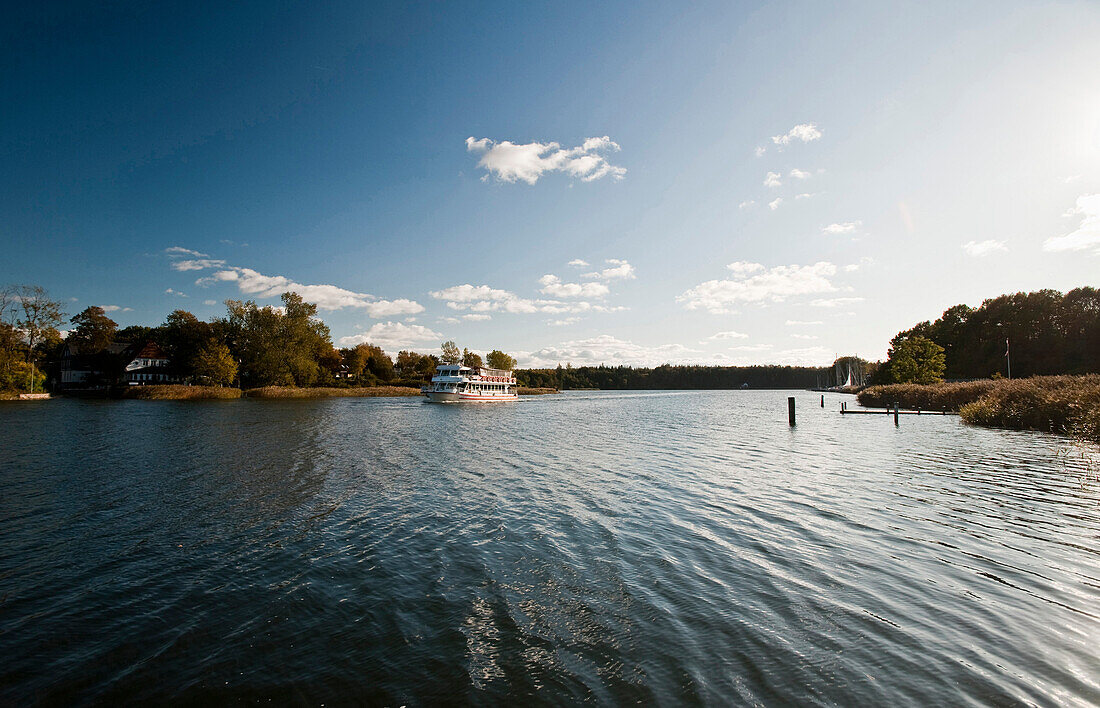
x=675 y=377
x=1043 y=332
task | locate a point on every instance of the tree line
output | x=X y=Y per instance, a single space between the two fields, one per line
x=674 y=377
x=1037 y=333
x=251 y=346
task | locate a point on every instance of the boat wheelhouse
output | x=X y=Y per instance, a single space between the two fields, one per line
x=454 y=383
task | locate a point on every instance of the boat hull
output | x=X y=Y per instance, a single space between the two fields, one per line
x=446 y=397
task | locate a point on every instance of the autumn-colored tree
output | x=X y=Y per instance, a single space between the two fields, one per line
x=40 y=315
x=450 y=352
x=214 y=364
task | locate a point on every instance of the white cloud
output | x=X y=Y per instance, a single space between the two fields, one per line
x=1071 y=179
x=482 y=298
x=578 y=263
x=1087 y=234
x=510 y=161
x=835 y=302
x=170 y=291
x=198 y=264
x=392 y=336
x=799 y=174
x=326 y=297
x=773 y=205
x=752 y=282
x=552 y=285
x=800 y=323
x=805 y=132
x=605 y=349
x=115 y=308
x=726 y=335
x=983 y=248
x=853 y=267
x=563 y=322
x=744 y=268
x=760 y=150
x=388 y=308
x=805 y=195
x=807 y=356
x=746 y=204
x=176 y=251
x=449 y=320
x=618 y=270
x=210 y=302
x=772 y=180
x=476 y=317
x=845 y=227
x=804 y=336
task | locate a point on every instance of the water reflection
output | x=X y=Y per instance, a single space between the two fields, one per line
x=658 y=547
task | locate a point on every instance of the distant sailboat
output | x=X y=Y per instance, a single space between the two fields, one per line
x=849 y=383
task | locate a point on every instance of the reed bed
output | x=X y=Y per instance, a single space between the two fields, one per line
x=180 y=393
x=323 y=392
x=525 y=391
x=1059 y=404
x=935 y=397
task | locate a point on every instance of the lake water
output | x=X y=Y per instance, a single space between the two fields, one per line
x=613 y=547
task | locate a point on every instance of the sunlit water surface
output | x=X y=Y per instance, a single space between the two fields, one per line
x=672 y=548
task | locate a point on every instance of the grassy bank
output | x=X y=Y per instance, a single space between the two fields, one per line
x=9 y=395
x=180 y=393
x=525 y=391
x=1057 y=404
x=320 y=392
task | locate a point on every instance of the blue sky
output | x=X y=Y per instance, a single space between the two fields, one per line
x=744 y=183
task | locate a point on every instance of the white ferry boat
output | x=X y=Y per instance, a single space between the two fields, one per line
x=454 y=383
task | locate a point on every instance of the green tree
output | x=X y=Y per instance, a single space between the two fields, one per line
x=499 y=360
x=276 y=347
x=92 y=330
x=138 y=334
x=915 y=360
x=214 y=364
x=183 y=335
x=471 y=359
x=451 y=353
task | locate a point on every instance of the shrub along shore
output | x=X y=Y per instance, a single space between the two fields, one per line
x=1058 y=404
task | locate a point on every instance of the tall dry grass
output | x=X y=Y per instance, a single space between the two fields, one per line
x=322 y=392
x=934 y=397
x=180 y=393
x=1058 y=404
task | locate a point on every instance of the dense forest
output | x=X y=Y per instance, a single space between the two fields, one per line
x=1043 y=332
x=676 y=377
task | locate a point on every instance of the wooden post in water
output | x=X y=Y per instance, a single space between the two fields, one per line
x=790 y=410
x=895 y=413
x=823 y=400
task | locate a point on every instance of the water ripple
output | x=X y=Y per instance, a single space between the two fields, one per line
x=613 y=547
